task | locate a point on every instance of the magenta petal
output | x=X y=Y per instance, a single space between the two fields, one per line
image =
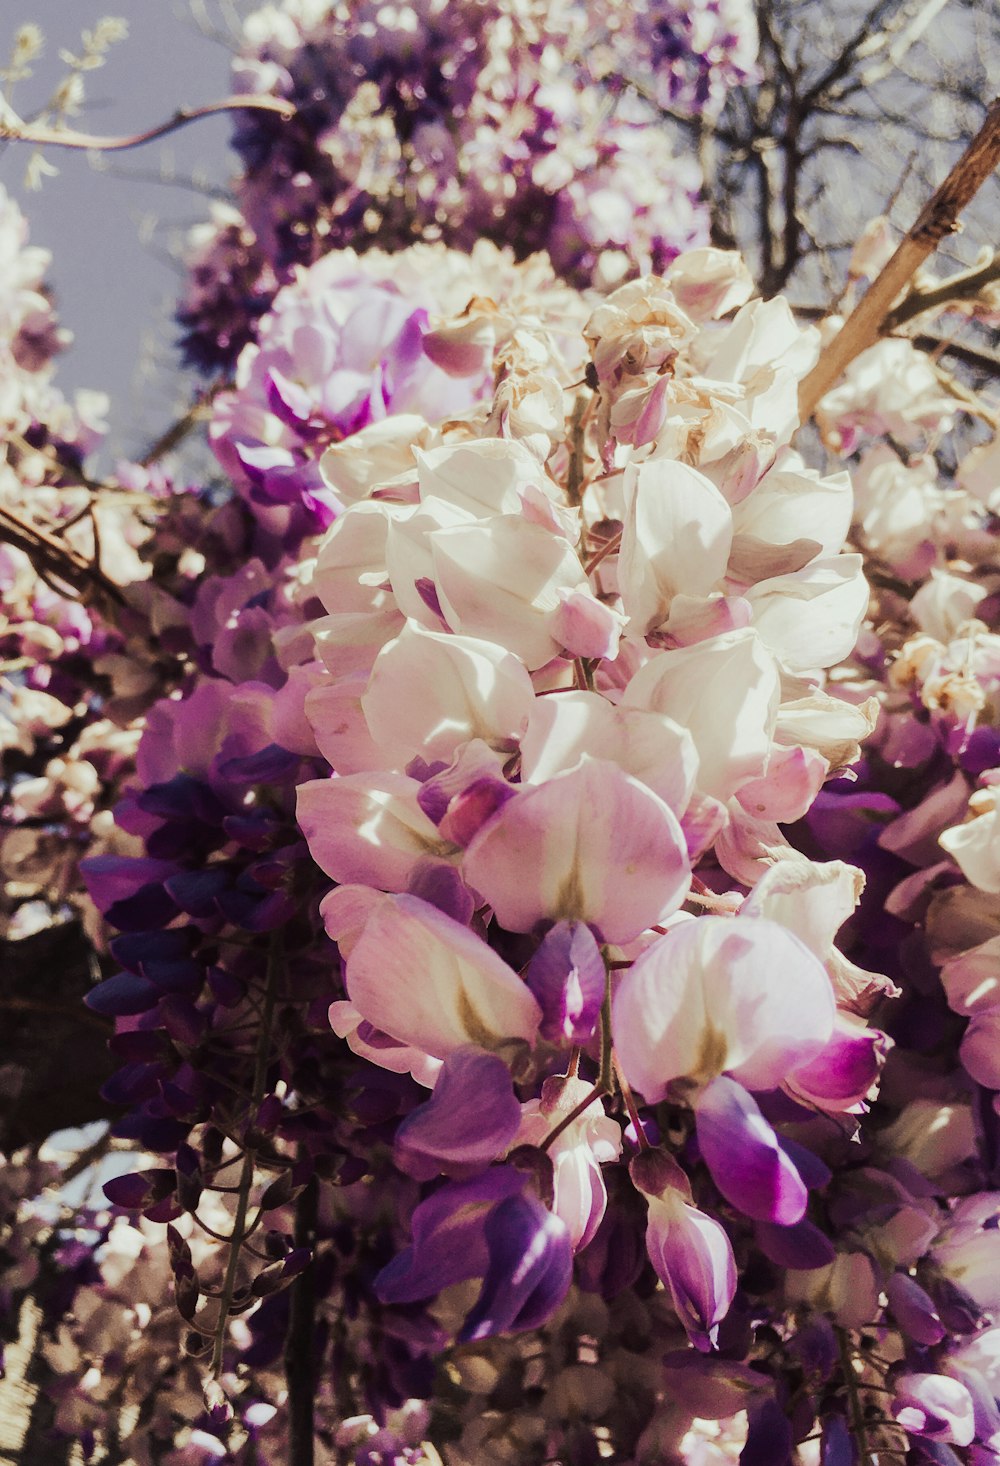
x=471 y=1117
x=744 y=1156
x=845 y=1070
x=566 y=975
x=472 y=807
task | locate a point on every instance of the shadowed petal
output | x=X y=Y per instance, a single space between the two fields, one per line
x=471 y=1118
x=529 y=1272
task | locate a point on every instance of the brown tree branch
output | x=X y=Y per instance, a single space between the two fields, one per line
x=16 y=131
x=198 y=412
x=54 y=558
x=937 y=219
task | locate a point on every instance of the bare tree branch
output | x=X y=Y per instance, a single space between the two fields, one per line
x=964 y=286
x=936 y=220
x=12 y=129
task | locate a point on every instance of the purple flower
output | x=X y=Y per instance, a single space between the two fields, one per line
x=471 y=1117
x=529 y=1272
x=567 y=976
x=448 y=1237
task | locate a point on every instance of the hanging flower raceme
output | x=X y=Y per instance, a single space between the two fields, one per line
x=610 y=650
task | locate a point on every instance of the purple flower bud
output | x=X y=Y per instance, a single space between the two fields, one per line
x=185 y=1023
x=691 y=1252
x=153 y=1132
x=139 y=1046
x=838 y=1446
x=227 y=988
x=184 y=799
x=567 y=976
x=133 y=1083
x=139 y=1189
x=769 y=1437
x=134 y=949
x=800 y=1246
x=195 y=891
x=270 y=765
x=123 y=995
x=115 y=880
x=914 y=1310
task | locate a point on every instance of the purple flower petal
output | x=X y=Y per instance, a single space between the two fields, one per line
x=140 y=1188
x=449 y=1240
x=529 y=1273
x=769 y=1438
x=802 y=1246
x=471 y=1117
x=117 y=880
x=694 y=1257
x=744 y=1156
x=914 y=1310
x=441 y=885
x=123 y=995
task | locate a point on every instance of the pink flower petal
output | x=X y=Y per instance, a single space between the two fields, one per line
x=589 y=845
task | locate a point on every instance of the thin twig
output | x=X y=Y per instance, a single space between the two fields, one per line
x=300 y=1371
x=240 y=1230
x=937 y=219
x=858 y=1425
x=54 y=137
x=52 y=556
x=963 y=286
x=178 y=431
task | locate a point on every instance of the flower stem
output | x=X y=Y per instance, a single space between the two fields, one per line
x=298 y=1358
x=574 y=1114
x=858 y=1424
x=239 y=1232
x=630 y=1105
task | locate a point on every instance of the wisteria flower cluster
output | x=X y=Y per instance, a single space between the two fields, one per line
x=514 y=121
x=609 y=650
x=564 y=702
